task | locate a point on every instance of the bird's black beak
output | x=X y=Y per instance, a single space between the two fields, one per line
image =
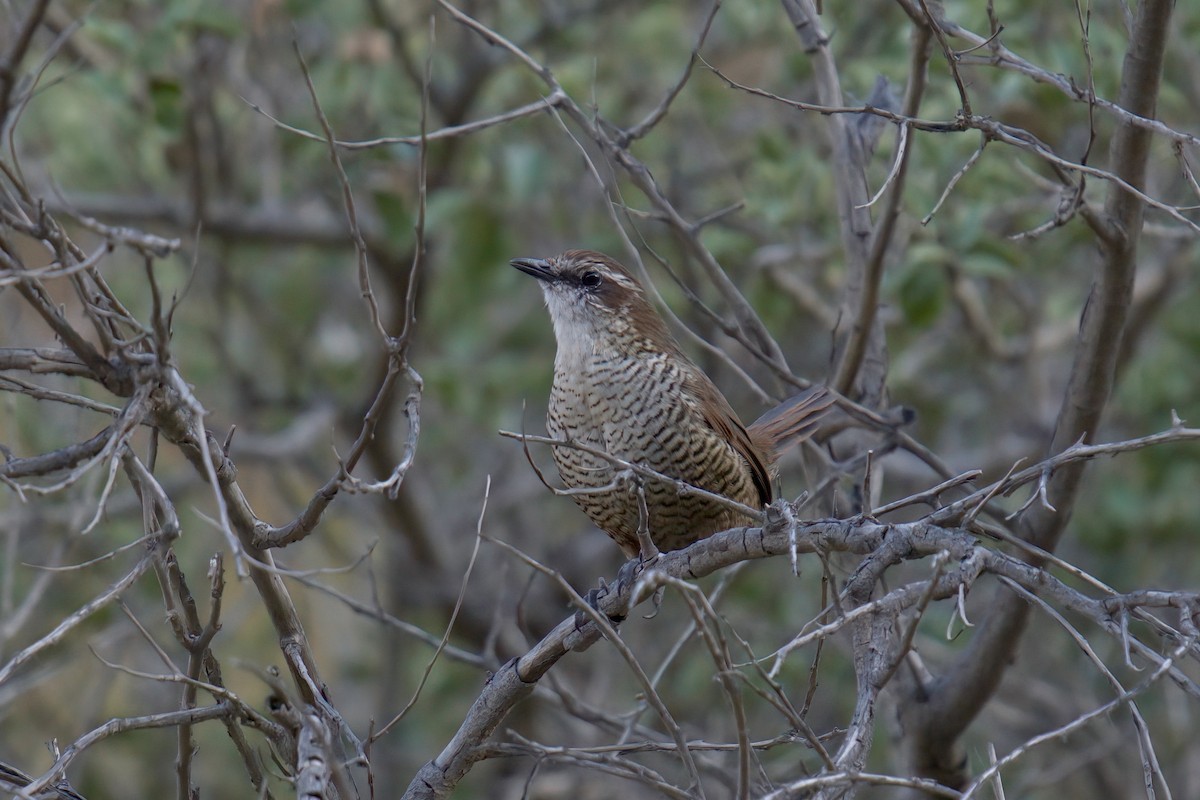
x=537 y=267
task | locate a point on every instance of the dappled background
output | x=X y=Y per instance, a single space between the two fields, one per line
x=194 y=121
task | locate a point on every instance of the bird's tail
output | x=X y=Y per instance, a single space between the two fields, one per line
x=791 y=422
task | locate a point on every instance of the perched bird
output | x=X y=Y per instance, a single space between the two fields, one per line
x=622 y=385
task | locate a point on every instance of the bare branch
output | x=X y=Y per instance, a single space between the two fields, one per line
x=915 y=540
x=166 y=719
x=449 y=132
x=944 y=715
x=60 y=631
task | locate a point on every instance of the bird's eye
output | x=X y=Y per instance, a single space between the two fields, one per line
x=591 y=279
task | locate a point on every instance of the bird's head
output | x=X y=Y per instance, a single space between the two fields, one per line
x=593 y=300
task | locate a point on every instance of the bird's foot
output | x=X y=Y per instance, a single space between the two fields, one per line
x=656 y=599
x=632 y=570
x=627 y=577
x=593 y=598
x=629 y=573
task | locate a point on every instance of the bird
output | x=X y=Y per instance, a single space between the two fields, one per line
x=623 y=386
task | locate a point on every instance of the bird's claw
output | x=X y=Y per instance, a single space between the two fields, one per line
x=627 y=577
x=593 y=598
x=628 y=573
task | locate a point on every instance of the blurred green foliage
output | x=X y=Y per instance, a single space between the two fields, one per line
x=150 y=106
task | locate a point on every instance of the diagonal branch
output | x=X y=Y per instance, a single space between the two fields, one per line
x=11 y=59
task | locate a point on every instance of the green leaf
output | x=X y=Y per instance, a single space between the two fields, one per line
x=922 y=295
x=166 y=98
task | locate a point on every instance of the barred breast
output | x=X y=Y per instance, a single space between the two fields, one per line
x=636 y=406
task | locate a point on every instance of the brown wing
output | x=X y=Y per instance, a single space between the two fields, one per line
x=719 y=416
